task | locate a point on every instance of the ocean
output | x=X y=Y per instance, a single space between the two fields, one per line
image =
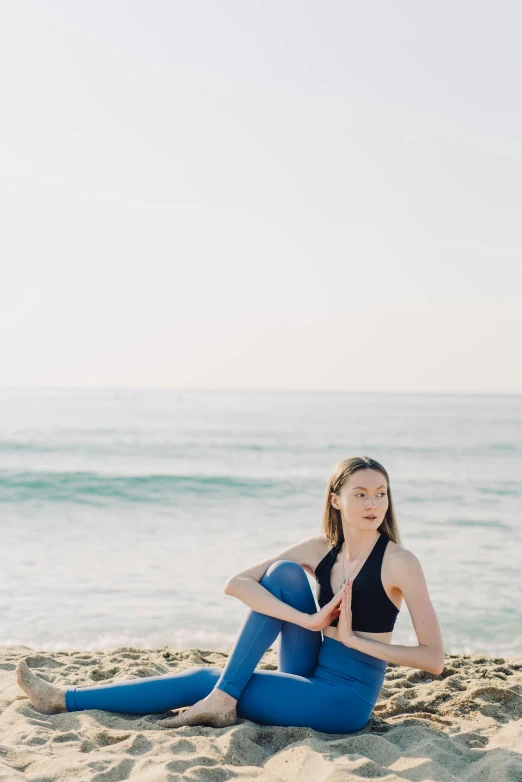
x=123 y=512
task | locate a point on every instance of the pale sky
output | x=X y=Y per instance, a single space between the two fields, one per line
x=279 y=194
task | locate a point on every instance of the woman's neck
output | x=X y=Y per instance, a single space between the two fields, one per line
x=358 y=543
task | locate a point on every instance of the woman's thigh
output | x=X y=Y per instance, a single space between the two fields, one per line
x=276 y=698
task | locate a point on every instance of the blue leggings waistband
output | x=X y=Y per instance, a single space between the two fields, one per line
x=337 y=654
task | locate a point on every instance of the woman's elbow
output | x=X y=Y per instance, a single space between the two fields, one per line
x=227 y=589
x=439 y=665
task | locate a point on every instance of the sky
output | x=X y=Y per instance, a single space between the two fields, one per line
x=271 y=194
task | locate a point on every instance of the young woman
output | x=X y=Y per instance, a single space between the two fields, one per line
x=331 y=662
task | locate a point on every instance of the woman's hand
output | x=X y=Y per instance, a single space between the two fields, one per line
x=345 y=634
x=326 y=615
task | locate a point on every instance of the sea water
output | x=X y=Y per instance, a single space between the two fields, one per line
x=123 y=512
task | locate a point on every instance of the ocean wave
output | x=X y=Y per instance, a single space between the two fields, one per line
x=96 y=488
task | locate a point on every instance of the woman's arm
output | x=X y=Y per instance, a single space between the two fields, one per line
x=260 y=599
x=429 y=654
x=246 y=587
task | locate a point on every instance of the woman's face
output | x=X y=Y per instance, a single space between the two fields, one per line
x=364 y=494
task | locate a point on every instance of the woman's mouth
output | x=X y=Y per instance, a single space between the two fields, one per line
x=370 y=517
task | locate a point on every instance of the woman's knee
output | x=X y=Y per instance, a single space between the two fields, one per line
x=285 y=573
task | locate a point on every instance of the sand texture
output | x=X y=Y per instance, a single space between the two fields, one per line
x=465 y=724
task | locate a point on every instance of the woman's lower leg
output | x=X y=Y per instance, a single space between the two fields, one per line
x=299 y=647
x=151 y=695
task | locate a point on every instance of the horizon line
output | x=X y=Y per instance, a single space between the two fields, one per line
x=257 y=390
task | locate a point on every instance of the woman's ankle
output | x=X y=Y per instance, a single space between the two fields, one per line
x=225 y=696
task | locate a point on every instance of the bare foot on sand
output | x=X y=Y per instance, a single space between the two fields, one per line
x=44 y=697
x=217 y=710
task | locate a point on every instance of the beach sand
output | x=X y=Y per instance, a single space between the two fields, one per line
x=464 y=724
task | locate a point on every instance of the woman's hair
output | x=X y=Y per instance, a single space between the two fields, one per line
x=331 y=524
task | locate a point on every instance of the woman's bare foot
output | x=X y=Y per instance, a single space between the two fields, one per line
x=218 y=710
x=44 y=697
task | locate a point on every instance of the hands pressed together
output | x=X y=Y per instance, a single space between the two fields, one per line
x=339 y=606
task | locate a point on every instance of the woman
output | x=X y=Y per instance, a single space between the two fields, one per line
x=329 y=681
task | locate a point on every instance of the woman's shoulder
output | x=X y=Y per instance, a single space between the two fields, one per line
x=393 y=548
x=400 y=558
x=322 y=546
x=401 y=567
x=322 y=540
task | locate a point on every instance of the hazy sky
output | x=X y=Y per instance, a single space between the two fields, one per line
x=274 y=194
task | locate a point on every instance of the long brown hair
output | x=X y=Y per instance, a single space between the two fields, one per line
x=331 y=523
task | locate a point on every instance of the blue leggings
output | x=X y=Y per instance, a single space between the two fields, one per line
x=320 y=683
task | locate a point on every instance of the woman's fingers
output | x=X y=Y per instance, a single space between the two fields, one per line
x=336 y=599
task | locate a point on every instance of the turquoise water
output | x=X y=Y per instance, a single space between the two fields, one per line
x=124 y=512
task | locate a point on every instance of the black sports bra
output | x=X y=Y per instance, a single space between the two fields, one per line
x=372 y=609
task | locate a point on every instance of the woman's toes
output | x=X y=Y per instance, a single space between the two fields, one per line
x=24 y=677
x=44 y=697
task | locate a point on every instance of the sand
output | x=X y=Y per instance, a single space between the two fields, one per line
x=465 y=724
